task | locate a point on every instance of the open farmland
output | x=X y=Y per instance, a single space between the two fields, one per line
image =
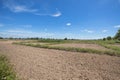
x=82 y=45
x=46 y=63
x=59 y=39
x=86 y=46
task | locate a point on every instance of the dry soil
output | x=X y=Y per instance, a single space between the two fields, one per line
x=82 y=45
x=32 y=63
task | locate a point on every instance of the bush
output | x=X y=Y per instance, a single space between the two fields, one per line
x=109 y=38
x=65 y=38
x=104 y=39
x=1 y=37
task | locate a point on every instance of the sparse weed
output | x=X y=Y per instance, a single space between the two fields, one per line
x=6 y=72
x=73 y=49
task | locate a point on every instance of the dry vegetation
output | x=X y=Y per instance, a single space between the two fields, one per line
x=86 y=46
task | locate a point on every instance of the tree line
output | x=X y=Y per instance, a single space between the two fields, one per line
x=116 y=37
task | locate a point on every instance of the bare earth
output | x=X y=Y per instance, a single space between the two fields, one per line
x=82 y=45
x=43 y=64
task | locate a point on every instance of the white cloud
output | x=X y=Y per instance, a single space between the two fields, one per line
x=19 y=8
x=1 y=25
x=117 y=26
x=57 y=14
x=26 y=33
x=88 y=31
x=68 y=24
x=104 y=31
x=16 y=7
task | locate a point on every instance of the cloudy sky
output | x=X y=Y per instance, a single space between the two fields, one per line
x=79 y=19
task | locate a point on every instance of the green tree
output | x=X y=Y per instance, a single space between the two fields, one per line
x=109 y=38
x=1 y=37
x=117 y=36
x=65 y=38
x=104 y=39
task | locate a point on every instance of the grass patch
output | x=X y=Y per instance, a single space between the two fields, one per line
x=6 y=72
x=73 y=49
x=115 y=48
x=110 y=45
x=59 y=41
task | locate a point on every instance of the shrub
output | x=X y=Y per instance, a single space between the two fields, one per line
x=1 y=37
x=65 y=38
x=5 y=70
x=104 y=39
x=109 y=38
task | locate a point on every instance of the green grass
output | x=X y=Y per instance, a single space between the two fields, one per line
x=59 y=41
x=73 y=49
x=110 y=45
x=113 y=50
x=6 y=72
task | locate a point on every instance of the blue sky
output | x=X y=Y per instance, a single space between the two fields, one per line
x=79 y=19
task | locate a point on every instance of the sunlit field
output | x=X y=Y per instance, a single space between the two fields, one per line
x=59 y=39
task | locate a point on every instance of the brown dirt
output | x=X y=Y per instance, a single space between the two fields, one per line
x=37 y=43
x=82 y=45
x=43 y=64
x=117 y=45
